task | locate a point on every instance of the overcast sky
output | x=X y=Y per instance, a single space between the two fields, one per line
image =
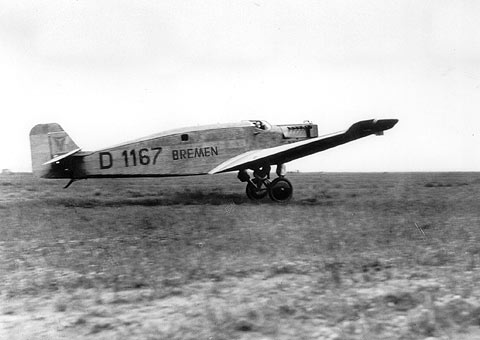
x=109 y=71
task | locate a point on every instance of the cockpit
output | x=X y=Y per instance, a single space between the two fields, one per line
x=261 y=124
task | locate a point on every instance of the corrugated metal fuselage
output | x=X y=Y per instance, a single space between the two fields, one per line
x=184 y=152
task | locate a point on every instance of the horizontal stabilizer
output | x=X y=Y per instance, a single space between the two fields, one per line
x=59 y=158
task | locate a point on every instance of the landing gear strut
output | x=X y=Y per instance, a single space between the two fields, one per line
x=255 y=191
x=279 y=190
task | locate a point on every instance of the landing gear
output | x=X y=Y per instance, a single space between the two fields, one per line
x=279 y=190
x=255 y=192
x=257 y=188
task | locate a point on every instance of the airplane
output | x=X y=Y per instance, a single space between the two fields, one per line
x=253 y=145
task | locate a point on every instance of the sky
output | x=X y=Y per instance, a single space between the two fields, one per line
x=109 y=71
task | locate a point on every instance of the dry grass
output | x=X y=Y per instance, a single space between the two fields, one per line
x=352 y=256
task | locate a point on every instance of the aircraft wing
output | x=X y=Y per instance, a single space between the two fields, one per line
x=289 y=152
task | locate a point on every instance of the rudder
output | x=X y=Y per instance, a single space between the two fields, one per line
x=48 y=141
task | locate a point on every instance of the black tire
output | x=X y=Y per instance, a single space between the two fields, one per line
x=256 y=194
x=280 y=190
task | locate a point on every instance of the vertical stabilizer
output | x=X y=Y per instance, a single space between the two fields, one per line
x=48 y=141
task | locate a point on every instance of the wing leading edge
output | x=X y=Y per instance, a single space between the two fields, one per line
x=289 y=152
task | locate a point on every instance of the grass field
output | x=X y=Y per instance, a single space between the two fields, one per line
x=352 y=256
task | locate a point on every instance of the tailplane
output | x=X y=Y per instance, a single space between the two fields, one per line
x=51 y=147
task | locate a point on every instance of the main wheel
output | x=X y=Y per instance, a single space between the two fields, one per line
x=280 y=190
x=254 y=193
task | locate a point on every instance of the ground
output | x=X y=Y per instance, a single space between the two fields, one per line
x=352 y=256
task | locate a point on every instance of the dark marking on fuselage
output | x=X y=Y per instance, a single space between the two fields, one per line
x=105 y=160
x=207 y=151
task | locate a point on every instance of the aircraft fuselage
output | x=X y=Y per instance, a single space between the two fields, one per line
x=193 y=151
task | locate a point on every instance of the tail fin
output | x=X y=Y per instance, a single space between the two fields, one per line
x=47 y=142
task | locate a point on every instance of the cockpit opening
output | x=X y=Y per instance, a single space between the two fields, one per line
x=261 y=124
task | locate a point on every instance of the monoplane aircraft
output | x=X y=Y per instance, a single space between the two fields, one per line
x=249 y=147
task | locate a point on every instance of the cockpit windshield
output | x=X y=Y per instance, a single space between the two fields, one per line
x=261 y=124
